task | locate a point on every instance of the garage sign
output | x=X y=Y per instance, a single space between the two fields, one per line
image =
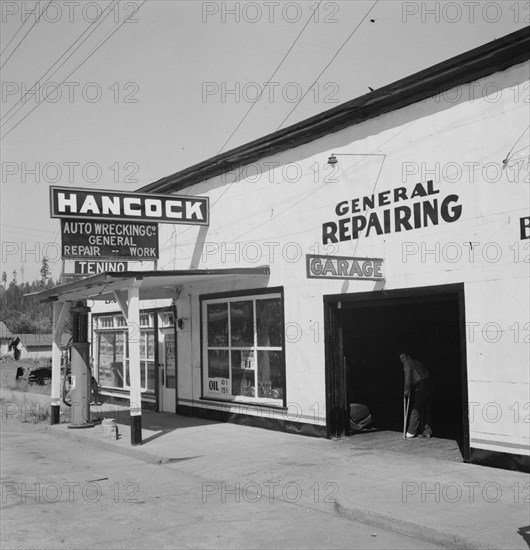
x=343 y=267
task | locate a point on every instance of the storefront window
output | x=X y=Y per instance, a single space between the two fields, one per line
x=146 y=320
x=217 y=327
x=110 y=359
x=270 y=374
x=243 y=348
x=170 y=351
x=166 y=320
x=112 y=363
x=119 y=321
x=270 y=330
x=105 y=322
x=241 y=324
x=147 y=359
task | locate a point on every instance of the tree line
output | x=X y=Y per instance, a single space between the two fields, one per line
x=20 y=315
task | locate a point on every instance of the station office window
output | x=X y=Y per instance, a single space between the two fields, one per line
x=243 y=349
x=111 y=351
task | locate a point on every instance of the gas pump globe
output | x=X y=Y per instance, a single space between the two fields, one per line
x=80 y=370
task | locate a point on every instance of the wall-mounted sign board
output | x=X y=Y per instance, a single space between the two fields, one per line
x=99 y=204
x=97 y=240
x=344 y=267
x=92 y=268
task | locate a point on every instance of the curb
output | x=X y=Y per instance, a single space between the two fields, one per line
x=133 y=452
x=411 y=529
x=31 y=399
x=365 y=516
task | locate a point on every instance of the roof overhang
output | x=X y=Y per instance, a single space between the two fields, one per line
x=485 y=60
x=152 y=284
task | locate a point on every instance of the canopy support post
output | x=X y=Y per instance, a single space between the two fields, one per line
x=133 y=323
x=60 y=311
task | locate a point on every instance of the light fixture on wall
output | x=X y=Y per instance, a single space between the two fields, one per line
x=333 y=158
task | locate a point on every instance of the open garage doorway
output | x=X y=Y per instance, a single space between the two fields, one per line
x=366 y=331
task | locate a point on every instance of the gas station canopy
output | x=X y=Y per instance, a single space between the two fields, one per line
x=151 y=284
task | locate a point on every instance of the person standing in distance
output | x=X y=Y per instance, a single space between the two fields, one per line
x=418 y=384
x=16 y=346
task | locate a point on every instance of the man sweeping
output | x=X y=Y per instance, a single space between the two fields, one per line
x=418 y=384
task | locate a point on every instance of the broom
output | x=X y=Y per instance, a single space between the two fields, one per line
x=406 y=402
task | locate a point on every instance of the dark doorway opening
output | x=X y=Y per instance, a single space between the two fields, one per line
x=366 y=332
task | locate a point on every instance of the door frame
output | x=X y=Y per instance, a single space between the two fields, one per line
x=336 y=409
x=160 y=380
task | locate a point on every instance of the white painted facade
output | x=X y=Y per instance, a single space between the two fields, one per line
x=272 y=212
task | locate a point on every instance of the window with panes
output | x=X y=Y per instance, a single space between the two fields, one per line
x=243 y=348
x=112 y=351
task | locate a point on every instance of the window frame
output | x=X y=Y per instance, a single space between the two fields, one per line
x=119 y=326
x=253 y=295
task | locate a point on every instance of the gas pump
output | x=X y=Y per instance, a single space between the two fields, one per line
x=80 y=376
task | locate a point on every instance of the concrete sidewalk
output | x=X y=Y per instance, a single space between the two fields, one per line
x=446 y=502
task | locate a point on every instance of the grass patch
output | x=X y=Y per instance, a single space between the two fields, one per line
x=25 y=410
x=8 y=374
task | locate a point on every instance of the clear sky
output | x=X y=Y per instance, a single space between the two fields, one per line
x=169 y=87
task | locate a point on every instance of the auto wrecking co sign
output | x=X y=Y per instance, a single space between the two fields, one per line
x=98 y=224
x=92 y=239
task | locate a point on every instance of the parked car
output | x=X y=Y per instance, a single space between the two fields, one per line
x=40 y=375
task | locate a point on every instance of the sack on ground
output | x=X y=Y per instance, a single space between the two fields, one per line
x=360 y=417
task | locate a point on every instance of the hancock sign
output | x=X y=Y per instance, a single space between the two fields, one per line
x=69 y=203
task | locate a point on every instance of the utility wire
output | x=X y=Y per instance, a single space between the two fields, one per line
x=252 y=107
x=77 y=67
x=330 y=62
x=37 y=82
x=322 y=72
x=29 y=30
x=269 y=80
x=275 y=71
x=19 y=29
x=507 y=157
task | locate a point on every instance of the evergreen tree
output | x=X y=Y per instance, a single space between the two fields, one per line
x=44 y=270
x=23 y=315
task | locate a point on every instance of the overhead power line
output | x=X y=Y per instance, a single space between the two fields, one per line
x=329 y=63
x=101 y=43
x=269 y=80
x=259 y=97
x=24 y=37
x=321 y=73
x=102 y=16
x=15 y=35
x=507 y=157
